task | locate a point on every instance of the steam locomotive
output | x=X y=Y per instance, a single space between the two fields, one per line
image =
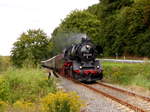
x=78 y=62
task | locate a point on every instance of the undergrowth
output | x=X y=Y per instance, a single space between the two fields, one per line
x=29 y=90
x=127 y=74
x=24 y=84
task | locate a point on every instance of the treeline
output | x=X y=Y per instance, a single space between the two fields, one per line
x=125 y=27
x=120 y=27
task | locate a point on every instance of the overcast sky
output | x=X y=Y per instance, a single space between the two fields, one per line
x=17 y=16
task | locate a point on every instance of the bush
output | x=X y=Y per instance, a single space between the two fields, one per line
x=25 y=84
x=61 y=102
x=29 y=90
x=3 y=106
x=4 y=89
x=4 y=63
x=58 y=102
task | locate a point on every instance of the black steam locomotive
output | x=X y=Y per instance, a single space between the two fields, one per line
x=78 y=62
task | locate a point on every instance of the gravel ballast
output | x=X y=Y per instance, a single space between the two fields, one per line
x=94 y=102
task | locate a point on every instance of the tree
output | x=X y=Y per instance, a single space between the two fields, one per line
x=76 y=23
x=79 y=22
x=124 y=27
x=30 y=48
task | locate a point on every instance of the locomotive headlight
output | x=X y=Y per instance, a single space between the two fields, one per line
x=80 y=67
x=98 y=66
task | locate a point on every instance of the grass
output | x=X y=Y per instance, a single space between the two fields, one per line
x=24 y=84
x=127 y=74
x=5 y=63
x=29 y=90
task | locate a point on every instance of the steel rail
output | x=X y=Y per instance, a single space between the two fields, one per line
x=124 y=91
x=133 y=107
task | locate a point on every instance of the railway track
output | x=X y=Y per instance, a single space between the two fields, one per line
x=134 y=101
x=124 y=91
x=131 y=100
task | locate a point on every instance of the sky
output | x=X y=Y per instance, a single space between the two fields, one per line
x=17 y=16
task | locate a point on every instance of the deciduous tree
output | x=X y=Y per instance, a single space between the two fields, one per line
x=30 y=48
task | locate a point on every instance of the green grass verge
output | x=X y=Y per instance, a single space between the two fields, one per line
x=24 y=84
x=5 y=63
x=29 y=90
x=127 y=74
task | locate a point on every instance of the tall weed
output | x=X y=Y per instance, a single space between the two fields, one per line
x=127 y=74
x=5 y=63
x=29 y=90
x=25 y=84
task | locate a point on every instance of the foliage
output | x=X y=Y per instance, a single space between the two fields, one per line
x=3 y=106
x=58 y=102
x=124 y=26
x=29 y=90
x=121 y=27
x=4 y=63
x=61 y=102
x=76 y=22
x=30 y=48
x=127 y=74
x=82 y=21
x=24 y=106
x=24 y=84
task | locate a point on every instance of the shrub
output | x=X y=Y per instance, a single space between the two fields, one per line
x=61 y=102
x=4 y=89
x=24 y=106
x=5 y=63
x=53 y=102
x=29 y=90
x=3 y=106
x=25 y=84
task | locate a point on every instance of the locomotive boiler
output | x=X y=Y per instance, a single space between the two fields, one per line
x=78 y=61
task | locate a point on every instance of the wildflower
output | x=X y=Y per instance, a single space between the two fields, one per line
x=61 y=101
x=3 y=106
x=24 y=106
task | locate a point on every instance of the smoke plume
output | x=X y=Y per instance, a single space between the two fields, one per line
x=65 y=40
